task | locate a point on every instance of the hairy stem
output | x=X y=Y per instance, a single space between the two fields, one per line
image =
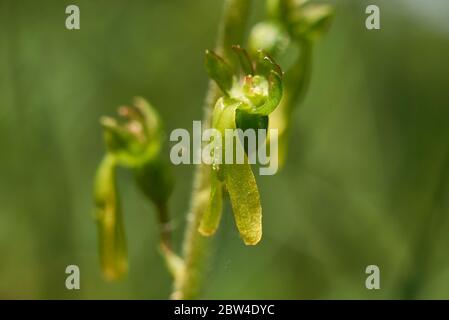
x=187 y=284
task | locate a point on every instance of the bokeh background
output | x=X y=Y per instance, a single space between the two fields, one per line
x=366 y=182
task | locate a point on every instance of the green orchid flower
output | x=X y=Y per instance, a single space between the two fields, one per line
x=303 y=19
x=248 y=99
x=137 y=138
x=133 y=142
x=291 y=25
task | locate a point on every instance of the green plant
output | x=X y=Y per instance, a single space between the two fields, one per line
x=257 y=96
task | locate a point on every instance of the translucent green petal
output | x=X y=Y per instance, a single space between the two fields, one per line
x=219 y=71
x=239 y=179
x=245 y=200
x=274 y=95
x=244 y=60
x=112 y=243
x=266 y=64
x=212 y=215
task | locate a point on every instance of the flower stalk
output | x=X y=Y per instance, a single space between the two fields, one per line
x=232 y=28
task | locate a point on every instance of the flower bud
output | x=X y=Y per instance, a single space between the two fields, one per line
x=269 y=36
x=312 y=21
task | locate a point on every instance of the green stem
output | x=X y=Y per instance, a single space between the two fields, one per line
x=187 y=284
x=164 y=226
x=173 y=262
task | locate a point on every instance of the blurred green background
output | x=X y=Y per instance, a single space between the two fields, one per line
x=366 y=182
